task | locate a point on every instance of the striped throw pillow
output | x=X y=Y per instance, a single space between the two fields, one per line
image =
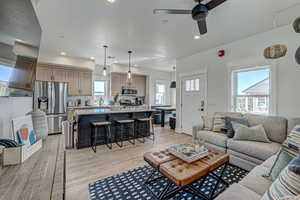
x=287 y=184
x=219 y=124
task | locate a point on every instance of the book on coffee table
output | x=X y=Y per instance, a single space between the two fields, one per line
x=187 y=152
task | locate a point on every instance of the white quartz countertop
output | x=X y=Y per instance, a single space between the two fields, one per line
x=108 y=111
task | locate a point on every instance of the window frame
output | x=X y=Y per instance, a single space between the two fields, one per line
x=105 y=88
x=272 y=85
x=165 y=93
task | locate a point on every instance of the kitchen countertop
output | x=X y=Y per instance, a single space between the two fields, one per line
x=108 y=111
x=89 y=107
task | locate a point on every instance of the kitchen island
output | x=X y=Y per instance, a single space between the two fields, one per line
x=84 y=118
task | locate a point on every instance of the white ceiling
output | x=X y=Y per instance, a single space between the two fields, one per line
x=82 y=27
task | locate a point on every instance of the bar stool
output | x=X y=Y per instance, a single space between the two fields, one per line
x=95 y=131
x=122 y=124
x=143 y=125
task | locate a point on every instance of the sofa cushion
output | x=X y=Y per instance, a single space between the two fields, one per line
x=238 y=192
x=219 y=120
x=228 y=123
x=215 y=138
x=254 y=133
x=275 y=127
x=208 y=122
x=219 y=123
x=259 y=150
x=255 y=180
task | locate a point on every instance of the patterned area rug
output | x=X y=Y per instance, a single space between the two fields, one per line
x=130 y=185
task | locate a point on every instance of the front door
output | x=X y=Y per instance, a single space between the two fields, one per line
x=193 y=101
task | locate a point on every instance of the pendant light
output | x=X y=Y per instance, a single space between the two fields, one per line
x=104 y=68
x=173 y=83
x=129 y=75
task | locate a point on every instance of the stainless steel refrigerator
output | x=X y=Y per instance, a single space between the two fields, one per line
x=51 y=97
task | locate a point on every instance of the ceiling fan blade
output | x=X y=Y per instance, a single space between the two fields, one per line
x=171 y=11
x=202 y=26
x=214 y=3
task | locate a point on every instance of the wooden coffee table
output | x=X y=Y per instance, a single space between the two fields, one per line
x=185 y=174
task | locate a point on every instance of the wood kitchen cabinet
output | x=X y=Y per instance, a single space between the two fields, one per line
x=119 y=80
x=85 y=84
x=80 y=81
x=44 y=74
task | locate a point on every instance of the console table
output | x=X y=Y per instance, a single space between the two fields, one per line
x=41 y=177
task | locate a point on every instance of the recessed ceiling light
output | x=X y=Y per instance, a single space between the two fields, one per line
x=110 y=1
x=63 y=53
x=92 y=58
x=135 y=65
x=197 y=37
x=116 y=61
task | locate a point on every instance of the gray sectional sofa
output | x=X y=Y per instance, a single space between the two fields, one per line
x=253 y=186
x=255 y=156
x=248 y=154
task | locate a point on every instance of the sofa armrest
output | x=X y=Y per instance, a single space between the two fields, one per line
x=196 y=129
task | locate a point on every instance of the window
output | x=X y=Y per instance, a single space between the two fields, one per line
x=251 y=90
x=192 y=85
x=99 y=88
x=5 y=73
x=160 y=97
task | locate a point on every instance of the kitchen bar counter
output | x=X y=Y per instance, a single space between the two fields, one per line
x=108 y=111
x=85 y=117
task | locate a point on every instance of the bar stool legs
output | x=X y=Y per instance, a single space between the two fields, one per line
x=129 y=124
x=108 y=137
x=120 y=144
x=94 y=139
x=94 y=134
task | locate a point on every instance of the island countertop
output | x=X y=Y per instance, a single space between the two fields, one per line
x=109 y=111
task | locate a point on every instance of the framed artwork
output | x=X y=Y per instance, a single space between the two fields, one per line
x=23 y=131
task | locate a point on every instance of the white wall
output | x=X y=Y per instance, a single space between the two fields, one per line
x=248 y=52
x=153 y=77
x=10 y=108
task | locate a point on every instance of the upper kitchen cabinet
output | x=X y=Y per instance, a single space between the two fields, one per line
x=44 y=74
x=85 y=84
x=119 y=80
x=80 y=81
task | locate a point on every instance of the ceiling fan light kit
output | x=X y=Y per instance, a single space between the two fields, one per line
x=199 y=12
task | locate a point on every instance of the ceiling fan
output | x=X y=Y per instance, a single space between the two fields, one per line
x=199 y=12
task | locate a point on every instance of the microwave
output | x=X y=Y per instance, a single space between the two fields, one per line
x=129 y=91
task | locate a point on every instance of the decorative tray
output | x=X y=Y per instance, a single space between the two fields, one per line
x=187 y=152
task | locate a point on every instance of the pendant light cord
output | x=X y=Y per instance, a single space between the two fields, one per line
x=105 y=48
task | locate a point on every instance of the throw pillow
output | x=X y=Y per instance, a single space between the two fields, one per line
x=284 y=157
x=287 y=184
x=228 y=120
x=255 y=133
x=208 y=122
x=219 y=123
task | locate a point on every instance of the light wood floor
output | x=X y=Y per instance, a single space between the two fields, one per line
x=84 y=166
